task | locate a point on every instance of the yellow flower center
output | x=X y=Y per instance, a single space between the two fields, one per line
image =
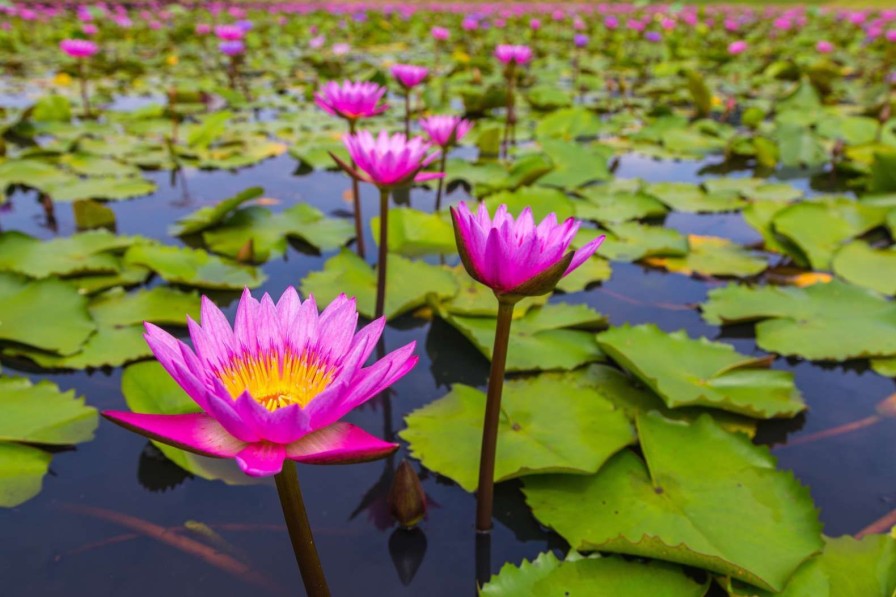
x=275 y=381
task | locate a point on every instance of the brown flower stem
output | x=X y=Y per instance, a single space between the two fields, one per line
x=356 y=204
x=483 y=559
x=485 y=494
x=384 y=248
x=85 y=96
x=441 y=180
x=407 y=113
x=300 y=531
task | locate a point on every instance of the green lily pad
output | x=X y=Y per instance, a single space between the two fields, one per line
x=775 y=191
x=609 y=207
x=269 y=231
x=160 y=305
x=46 y=314
x=817 y=229
x=41 y=414
x=92 y=165
x=128 y=275
x=523 y=172
x=687 y=197
x=865 y=266
x=207 y=217
x=713 y=256
x=545 y=427
x=88 y=252
x=33 y=173
x=760 y=215
x=109 y=346
x=702 y=497
x=408 y=283
x=886 y=366
x=22 y=470
x=91 y=215
x=100 y=188
x=569 y=124
x=541 y=200
x=546 y=576
x=833 y=321
x=688 y=372
x=632 y=241
x=575 y=164
x=847 y=567
x=594 y=269
x=798 y=146
x=147 y=388
x=478 y=300
x=556 y=336
x=414 y=233
x=194 y=267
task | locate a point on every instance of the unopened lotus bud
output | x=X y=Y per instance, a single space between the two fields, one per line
x=407 y=502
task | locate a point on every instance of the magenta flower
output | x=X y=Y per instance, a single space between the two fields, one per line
x=203 y=29
x=440 y=33
x=229 y=32
x=388 y=161
x=78 y=48
x=274 y=386
x=445 y=131
x=409 y=75
x=534 y=24
x=232 y=47
x=737 y=47
x=89 y=29
x=824 y=47
x=580 y=40
x=509 y=54
x=517 y=258
x=351 y=100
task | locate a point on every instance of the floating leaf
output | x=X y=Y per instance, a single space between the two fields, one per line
x=90 y=215
x=22 y=469
x=608 y=207
x=569 y=124
x=194 y=267
x=865 y=266
x=688 y=372
x=702 y=497
x=206 y=217
x=109 y=346
x=631 y=241
x=41 y=414
x=160 y=305
x=545 y=427
x=594 y=269
x=88 y=252
x=575 y=164
x=414 y=233
x=408 y=283
x=100 y=188
x=477 y=299
x=541 y=200
x=886 y=367
x=712 y=256
x=834 y=321
x=686 y=197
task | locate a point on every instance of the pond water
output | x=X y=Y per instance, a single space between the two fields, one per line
x=64 y=542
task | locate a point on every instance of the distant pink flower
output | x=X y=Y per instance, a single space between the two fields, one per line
x=891 y=35
x=516 y=256
x=203 y=29
x=229 y=32
x=580 y=40
x=351 y=100
x=316 y=43
x=89 y=29
x=440 y=33
x=534 y=24
x=824 y=47
x=78 y=48
x=445 y=131
x=232 y=47
x=578 y=24
x=469 y=24
x=636 y=25
x=340 y=49
x=611 y=22
x=737 y=47
x=274 y=386
x=409 y=75
x=390 y=161
x=509 y=54
x=668 y=24
x=653 y=36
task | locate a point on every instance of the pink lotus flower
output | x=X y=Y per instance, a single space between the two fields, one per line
x=274 y=386
x=509 y=54
x=203 y=29
x=388 y=161
x=409 y=75
x=229 y=32
x=78 y=48
x=580 y=40
x=824 y=47
x=340 y=49
x=517 y=258
x=233 y=47
x=445 y=131
x=737 y=47
x=89 y=29
x=891 y=35
x=440 y=33
x=351 y=100
x=534 y=24
x=317 y=42
x=469 y=24
x=611 y=22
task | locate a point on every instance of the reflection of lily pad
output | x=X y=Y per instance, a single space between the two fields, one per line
x=408 y=283
x=688 y=372
x=545 y=427
x=701 y=496
x=194 y=267
x=834 y=321
x=712 y=256
x=865 y=266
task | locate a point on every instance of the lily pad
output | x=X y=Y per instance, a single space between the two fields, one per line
x=569 y=124
x=408 y=283
x=632 y=241
x=608 y=207
x=22 y=469
x=702 y=497
x=545 y=427
x=712 y=256
x=109 y=346
x=88 y=252
x=833 y=321
x=160 y=305
x=865 y=266
x=194 y=267
x=575 y=164
x=478 y=300
x=541 y=200
x=207 y=217
x=689 y=372
x=414 y=233
x=687 y=197
x=595 y=269
x=103 y=187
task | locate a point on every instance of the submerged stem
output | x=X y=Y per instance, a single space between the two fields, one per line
x=441 y=180
x=384 y=247
x=85 y=96
x=485 y=495
x=300 y=531
x=407 y=113
x=356 y=204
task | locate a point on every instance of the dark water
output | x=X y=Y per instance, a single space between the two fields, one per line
x=49 y=547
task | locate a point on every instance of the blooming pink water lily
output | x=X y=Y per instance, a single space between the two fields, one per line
x=232 y=47
x=445 y=130
x=439 y=33
x=351 y=100
x=229 y=32
x=510 y=54
x=516 y=257
x=737 y=47
x=824 y=47
x=409 y=75
x=274 y=386
x=78 y=48
x=388 y=160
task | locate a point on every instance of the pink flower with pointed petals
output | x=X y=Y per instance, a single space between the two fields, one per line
x=409 y=75
x=445 y=131
x=351 y=100
x=440 y=33
x=389 y=161
x=737 y=47
x=78 y=48
x=509 y=54
x=274 y=386
x=824 y=47
x=516 y=257
x=229 y=32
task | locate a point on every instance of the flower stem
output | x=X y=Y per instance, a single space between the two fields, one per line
x=384 y=248
x=486 y=493
x=510 y=116
x=85 y=96
x=441 y=180
x=407 y=113
x=356 y=204
x=300 y=531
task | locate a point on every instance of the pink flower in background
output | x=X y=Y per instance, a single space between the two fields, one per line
x=611 y=22
x=578 y=24
x=653 y=36
x=440 y=33
x=891 y=35
x=636 y=25
x=78 y=48
x=580 y=40
x=824 y=47
x=668 y=24
x=409 y=75
x=389 y=161
x=445 y=131
x=229 y=32
x=534 y=24
x=737 y=47
x=203 y=29
x=274 y=386
x=509 y=54
x=351 y=100
x=516 y=257
x=316 y=43
x=340 y=49
x=469 y=24
x=232 y=47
